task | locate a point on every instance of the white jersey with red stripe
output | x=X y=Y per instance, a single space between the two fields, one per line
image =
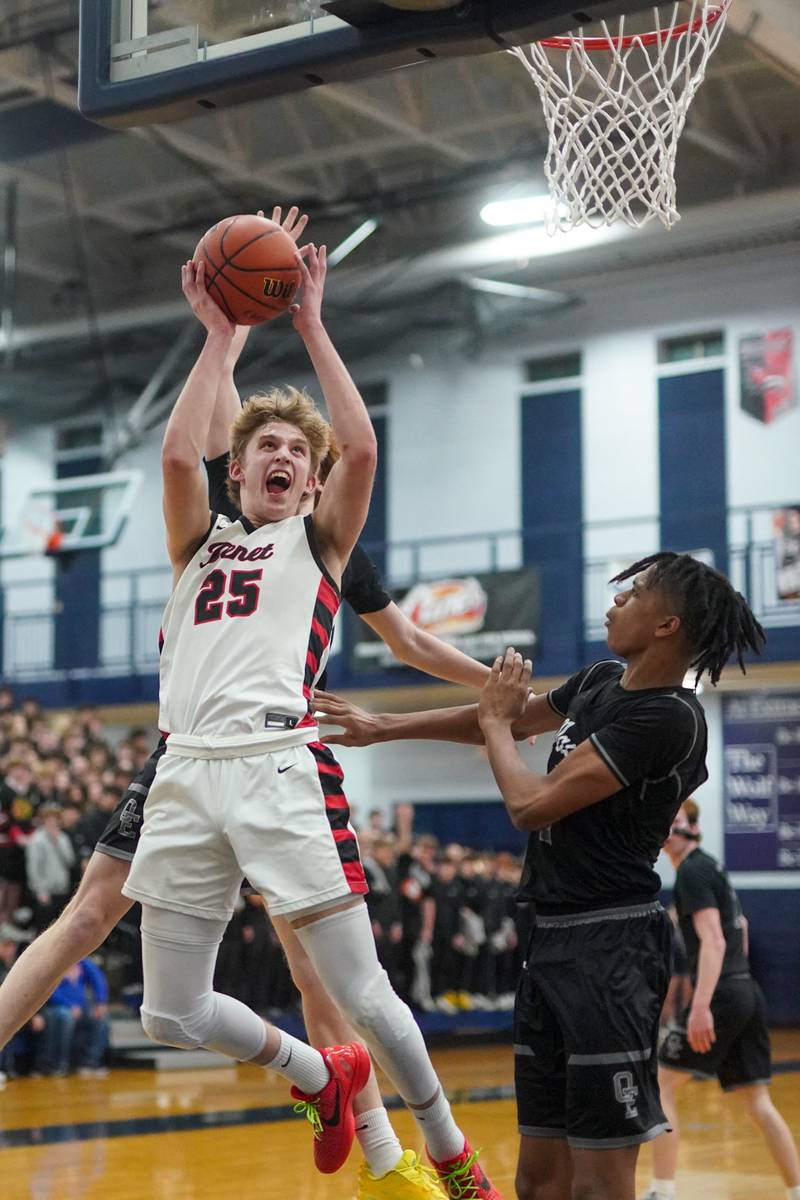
x=246 y=634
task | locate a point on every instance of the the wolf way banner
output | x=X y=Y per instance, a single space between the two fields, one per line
x=762 y=781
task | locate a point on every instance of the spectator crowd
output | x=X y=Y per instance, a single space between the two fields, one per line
x=60 y=779
x=444 y=916
x=445 y=920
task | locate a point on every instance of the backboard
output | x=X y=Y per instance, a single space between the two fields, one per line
x=86 y=512
x=143 y=62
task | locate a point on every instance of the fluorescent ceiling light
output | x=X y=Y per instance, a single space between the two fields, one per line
x=521 y=210
x=515 y=291
x=354 y=239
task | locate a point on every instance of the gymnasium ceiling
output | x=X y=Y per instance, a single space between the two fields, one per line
x=105 y=218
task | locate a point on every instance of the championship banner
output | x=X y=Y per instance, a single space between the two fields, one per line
x=479 y=614
x=761 y=734
x=766 y=364
x=786 y=528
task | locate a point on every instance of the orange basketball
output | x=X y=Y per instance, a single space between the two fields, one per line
x=250 y=268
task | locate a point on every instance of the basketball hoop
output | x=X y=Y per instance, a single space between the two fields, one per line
x=615 y=107
x=42 y=532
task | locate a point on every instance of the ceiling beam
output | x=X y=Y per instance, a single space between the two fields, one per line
x=356 y=102
x=217 y=159
x=730 y=152
x=744 y=115
x=772 y=28
x=729 y=222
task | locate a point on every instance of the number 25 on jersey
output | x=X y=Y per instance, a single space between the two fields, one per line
x=243 y=590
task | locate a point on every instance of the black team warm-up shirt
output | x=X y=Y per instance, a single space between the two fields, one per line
x=700 y=882
x=654 y=742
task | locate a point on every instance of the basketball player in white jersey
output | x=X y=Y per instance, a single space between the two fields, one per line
x=245 y=787
x=388 y=1172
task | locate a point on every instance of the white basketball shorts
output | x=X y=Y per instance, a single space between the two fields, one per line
x=279 y=818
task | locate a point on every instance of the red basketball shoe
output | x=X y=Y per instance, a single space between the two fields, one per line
x=331 y=1110
x=463 y=1178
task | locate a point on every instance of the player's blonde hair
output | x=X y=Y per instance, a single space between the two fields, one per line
x=692 y=810
x=289 y=405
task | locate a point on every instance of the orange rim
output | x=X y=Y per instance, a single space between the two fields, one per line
x=593 y=44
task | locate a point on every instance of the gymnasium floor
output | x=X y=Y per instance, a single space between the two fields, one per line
x=194 y=1135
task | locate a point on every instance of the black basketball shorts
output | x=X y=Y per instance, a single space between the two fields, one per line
x=586 y=1027
x=120 y=837
x=740 y=1057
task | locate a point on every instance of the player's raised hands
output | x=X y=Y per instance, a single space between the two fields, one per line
x=293 y=223
x=359 y=726
x=209 y=314
x=313 y=264
x=505 y=693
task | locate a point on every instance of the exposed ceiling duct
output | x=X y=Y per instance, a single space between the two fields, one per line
x=528 y=258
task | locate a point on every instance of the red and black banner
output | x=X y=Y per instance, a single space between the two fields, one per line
x=766 y=364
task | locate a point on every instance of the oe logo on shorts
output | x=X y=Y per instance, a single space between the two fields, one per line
x=625 y=1092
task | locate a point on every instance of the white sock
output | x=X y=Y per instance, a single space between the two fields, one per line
x=663 y=1189
x=442 y=1136
x=378 y=1141
x=793 y=1193
x=300 y=1063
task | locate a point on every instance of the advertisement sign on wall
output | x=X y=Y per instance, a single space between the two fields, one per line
x=480 y=614
x=761 y=735
x=786 y=527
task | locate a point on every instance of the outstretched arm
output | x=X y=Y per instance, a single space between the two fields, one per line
x=342 y=511
x=422 y=650
x=459 y=724
x=186 y=510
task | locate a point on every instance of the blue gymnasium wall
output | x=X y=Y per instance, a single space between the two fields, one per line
x=774 y=930
x=482 y=824
x=374 y=533
x=77 y=588
x=552 y=514
x=692 y=476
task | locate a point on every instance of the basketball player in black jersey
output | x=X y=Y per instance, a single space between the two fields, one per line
x=724 y=1034
x=630 y=747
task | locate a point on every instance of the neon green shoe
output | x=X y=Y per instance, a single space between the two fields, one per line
x=409 y=1180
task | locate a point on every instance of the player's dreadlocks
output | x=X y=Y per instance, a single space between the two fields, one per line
x=716 y=619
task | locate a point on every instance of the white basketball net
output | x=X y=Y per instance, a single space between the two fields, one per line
x=615 y=107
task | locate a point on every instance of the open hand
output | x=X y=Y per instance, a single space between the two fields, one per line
x=359 y=726
x=293 y=223
x=313 y=265
x=505 y=693
x=209 y=314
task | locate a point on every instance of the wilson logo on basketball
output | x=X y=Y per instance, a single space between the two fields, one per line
x=279 y=289
x=447 y=606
